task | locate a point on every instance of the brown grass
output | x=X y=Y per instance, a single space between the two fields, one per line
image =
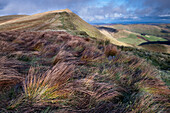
x=91 y=54
x=49 y=87
x=76 y=75
x=111 y=50
x=9 y=75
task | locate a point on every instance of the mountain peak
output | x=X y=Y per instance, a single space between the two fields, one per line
x=62 y=10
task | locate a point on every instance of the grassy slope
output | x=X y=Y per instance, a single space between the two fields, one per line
x=26 y=23
x=146 y=29
x=56 y=20
x=154 y=38
x=157 y=48
x=127 y=34
x=159 y=60
x=92 y=31
x=83 y=75
x=10 y=17
x=131 y=38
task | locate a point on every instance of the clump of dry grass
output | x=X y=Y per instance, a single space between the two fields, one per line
x=9 y=74
x=91 y=54
x=6 y=47
x=88 y=94
x=51 y=50
x=45 y=89
x=76 y=44
x=8 y=81
x=63 y=56
x=110 y=50
x=49 y=87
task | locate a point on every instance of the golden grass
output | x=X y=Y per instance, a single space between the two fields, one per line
x=49 y=87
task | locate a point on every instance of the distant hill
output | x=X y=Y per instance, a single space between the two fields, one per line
x=159 y=30
x=138 y=34
x=61 y=20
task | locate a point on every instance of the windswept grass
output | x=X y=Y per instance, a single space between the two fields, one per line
x=111 y=50
x=49 y=87
x=79 y=75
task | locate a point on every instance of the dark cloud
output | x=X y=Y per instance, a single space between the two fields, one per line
x=94 y=10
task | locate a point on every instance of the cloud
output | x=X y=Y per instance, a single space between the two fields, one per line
x=33 y=6
x=94 y=10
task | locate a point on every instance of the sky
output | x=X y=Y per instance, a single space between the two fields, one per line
x=95 y=11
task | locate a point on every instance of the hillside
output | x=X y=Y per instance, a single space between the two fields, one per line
x=54 y=62
x=53 y=71
x=61 y=20
x=154 y=30
x=138 y=36
x=10 y=17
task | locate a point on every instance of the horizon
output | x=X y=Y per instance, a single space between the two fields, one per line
x=130 y=22
x=95 y=11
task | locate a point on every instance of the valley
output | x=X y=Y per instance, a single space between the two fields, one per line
x=138 y=35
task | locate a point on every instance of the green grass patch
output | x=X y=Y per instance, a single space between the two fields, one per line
x=154 y=38
x=132 y=39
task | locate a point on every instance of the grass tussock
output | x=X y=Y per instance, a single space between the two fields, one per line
x=49 y=87
x=142 y=85
x=63 y=56
x=91 y=54
x=111 y=50
x=8 y=75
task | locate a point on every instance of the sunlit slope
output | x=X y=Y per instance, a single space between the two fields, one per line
x=155 y=30
x=9 y=17
x=92 y=31
x=56 y=20
x=135 y=39
x=130 y=37
x=113 y=39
